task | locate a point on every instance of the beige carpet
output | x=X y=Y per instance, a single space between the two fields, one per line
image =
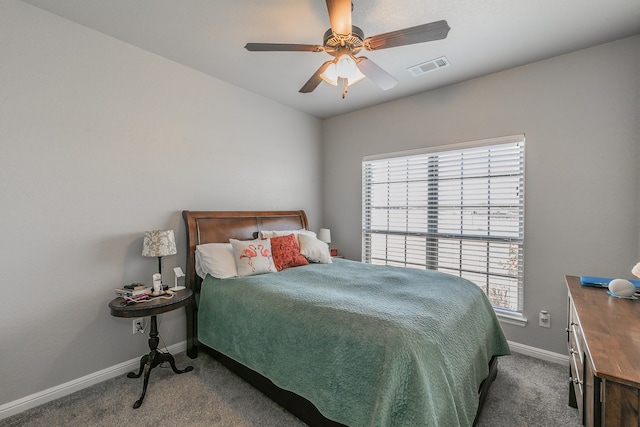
x=527 y=393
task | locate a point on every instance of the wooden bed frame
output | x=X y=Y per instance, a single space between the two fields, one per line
x=218 y=227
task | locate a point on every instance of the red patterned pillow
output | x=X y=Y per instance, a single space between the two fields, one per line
x=286 y=252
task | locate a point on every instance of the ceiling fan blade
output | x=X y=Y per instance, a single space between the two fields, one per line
x=377 y=75
x=270 y=47
x=315 y=80
x=421 y=33
x=340 y=16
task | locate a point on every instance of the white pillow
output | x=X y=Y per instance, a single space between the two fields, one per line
x=215 y=259
x=314 y=250
x=278 y=233
x=253 y=256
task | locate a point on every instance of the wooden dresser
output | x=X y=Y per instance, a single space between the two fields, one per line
x=604 y=355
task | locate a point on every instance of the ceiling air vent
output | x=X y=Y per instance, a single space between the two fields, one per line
x=428 y=66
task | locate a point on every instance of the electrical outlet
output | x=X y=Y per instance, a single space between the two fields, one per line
x=137 y=325
x=544 y=319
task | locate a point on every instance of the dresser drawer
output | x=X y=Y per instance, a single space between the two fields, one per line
x=576 y=358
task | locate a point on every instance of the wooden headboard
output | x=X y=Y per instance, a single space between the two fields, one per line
x=220 y=226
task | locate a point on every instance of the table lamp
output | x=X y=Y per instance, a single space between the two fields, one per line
x=159 y=243
x=324 y=235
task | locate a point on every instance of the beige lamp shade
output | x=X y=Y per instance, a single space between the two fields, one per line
x=159 y=243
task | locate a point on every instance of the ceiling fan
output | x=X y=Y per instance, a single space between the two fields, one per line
x=344 y=41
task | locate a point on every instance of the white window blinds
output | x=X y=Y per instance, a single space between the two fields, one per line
x=459 y=210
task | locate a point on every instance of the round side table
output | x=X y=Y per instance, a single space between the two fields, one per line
x=119 y=308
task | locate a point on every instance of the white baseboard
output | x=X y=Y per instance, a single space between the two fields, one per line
x=37 y=399
x=28 y=402
x=538 y=353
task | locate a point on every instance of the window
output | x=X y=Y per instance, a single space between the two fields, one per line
x=457 y=209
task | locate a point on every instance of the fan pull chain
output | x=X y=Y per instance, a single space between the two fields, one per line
x=345 y=85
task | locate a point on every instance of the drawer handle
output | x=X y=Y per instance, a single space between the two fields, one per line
x=571 y=325
x=576 y=381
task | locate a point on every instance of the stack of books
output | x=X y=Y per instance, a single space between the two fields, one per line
x=134 y=290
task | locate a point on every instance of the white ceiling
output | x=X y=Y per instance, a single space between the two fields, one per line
x=486 y=36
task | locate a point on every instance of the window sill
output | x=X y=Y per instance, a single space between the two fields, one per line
x=510 y=318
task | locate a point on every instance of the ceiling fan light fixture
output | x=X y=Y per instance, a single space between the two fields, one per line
x=343 y=41
x=344 y=66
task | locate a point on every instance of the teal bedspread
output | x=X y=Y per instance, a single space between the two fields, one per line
x=368 y=345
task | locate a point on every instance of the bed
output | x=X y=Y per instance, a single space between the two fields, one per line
x=356 y=351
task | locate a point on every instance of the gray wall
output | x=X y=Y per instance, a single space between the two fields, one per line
x=580 y=114
x=100 y=141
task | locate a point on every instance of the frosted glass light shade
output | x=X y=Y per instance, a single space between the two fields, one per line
x=343 y=66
